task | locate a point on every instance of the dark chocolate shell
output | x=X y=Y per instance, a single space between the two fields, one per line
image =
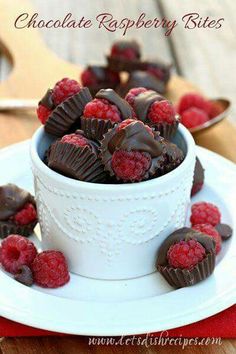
x=67 y=113
x=95 y=128
x=81 y=163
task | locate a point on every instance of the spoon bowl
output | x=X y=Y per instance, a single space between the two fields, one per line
x=225 y=105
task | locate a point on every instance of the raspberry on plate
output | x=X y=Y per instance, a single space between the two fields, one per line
x=50 y=269
x=192 y=100
x=205 y=213
x=63 y=89
x=185 y=254
x=209 y=230
x=18 y=214
x=186 y=257
x=15 y=252
x=193 y=117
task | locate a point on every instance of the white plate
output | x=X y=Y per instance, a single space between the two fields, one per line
x=147 y=304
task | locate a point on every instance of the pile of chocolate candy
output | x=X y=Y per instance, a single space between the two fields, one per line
x=108 y=139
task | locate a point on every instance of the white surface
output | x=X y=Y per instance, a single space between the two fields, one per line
x=104 y=230
x=146 y=304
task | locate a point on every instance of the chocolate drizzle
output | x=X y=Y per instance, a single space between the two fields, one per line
x=112 y=97
x=47 y=100
x=143 y=102
x=12 y=199
x=135 y=137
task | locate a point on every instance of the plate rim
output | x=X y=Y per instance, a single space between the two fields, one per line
x=208 y=309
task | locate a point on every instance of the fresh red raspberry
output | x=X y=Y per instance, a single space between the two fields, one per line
x=130 y=96
x=75 y=139
x=64 y=89
x=26 y=215
x=130 y=165
x=50 y=269
x=193 y=117
x=205 y=213
x=43 y=113
x=162 y=112
x=209 y=230
x=185 y=254
x=102 y=109
x=15 y=252
x=124 y=53
x=192 y=100
x=127 y=122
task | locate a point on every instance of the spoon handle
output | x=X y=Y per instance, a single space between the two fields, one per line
x=17 y=104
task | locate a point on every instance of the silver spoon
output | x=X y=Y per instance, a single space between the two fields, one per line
x=226 y=106
x=13 y=104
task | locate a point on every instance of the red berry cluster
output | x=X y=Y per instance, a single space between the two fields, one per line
x=196 y=110
x=19 y=256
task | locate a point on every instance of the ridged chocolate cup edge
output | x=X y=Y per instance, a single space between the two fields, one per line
x=81 y=163
x=68 y=113
x=7 y=228
x=95 y=128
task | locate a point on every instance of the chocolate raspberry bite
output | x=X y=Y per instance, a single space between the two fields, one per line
x=97 y=77
x=198 y=178
x=141 y=79
x=158 y=69
x=103 y=112
x=18 y=214
x=61 y=107
x=124 y=56
x=132 y=152
x=186 y=257
x=76 y=157
x=156 y=111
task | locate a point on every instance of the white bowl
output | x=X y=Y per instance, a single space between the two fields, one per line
x=110 y=231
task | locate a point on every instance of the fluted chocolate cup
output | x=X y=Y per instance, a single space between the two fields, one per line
x=81 y=163
x=142 y=104
x=95 y=128
x=12 y=200
x=67 y=114
x=8 y=228
x=177 y=277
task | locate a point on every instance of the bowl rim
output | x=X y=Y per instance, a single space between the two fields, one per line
x=44 y=169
